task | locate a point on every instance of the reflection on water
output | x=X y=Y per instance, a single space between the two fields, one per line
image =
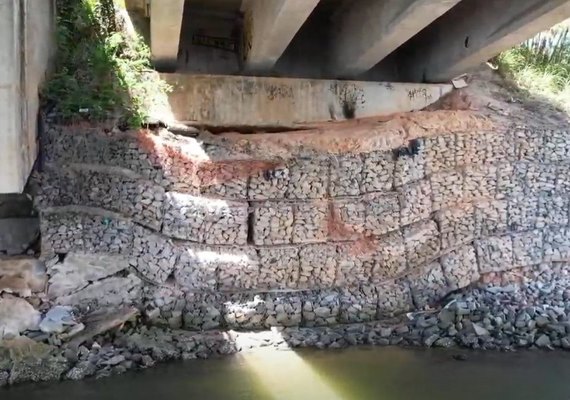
x=352 y=374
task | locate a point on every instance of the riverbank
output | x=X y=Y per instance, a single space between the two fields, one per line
x=521 y=309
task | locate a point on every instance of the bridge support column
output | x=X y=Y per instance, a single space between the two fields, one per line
x=369 y=30
x=11 y=163
x=473 y=32
x=165 y=26
x=269 y=27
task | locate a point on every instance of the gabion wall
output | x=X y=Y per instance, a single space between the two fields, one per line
x=202 y=235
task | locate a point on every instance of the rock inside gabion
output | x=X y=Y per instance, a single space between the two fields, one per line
x=251 y=233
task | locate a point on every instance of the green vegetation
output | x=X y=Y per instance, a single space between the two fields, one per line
x=541 y=65
x=102 y=68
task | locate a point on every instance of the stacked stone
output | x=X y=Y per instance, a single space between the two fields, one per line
x=204 y=220
x=251 y=241
x=170 y=306
x=203 y=311
x=358 y=304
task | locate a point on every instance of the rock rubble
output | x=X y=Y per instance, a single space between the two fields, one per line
x=507 y=316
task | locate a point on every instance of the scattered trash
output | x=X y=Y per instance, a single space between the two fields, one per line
x=493 y=66
x=58 y=320
x=74 y=331
x=497 y=109
x=460 y=82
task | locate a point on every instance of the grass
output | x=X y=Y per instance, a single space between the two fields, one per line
x=103 y=69
x=541 y=65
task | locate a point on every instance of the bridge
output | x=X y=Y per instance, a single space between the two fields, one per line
x=371 y=40
x=345 y=223
x=292 y=63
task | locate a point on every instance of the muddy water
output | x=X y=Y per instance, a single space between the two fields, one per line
x=353 y=374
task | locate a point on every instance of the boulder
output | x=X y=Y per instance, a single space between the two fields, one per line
x=22 y=276
x=33 y=361
x=543 y=341
x=160 y=344
x=78 y=269
x=4 y=378
x=17 y=316
x=479 y=330
x=102 y=321
x=110 y=292
x=82 y=370
x=18 y=234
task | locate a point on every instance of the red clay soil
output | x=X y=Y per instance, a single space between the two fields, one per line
x=199 y=169
x=364 y=135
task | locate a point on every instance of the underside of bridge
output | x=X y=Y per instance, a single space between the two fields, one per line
x=371 y=40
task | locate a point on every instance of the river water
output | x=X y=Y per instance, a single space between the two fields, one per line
x=352 y=374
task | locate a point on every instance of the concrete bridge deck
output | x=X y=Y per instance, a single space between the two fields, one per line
x=389 y=40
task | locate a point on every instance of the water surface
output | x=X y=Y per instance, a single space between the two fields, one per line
x=352 y=374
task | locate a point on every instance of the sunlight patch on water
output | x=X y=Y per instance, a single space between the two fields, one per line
x=285 y=375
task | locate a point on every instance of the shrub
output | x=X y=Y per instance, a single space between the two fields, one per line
x=102 y=70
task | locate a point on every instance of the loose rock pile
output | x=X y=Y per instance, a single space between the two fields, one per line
x=529 y=310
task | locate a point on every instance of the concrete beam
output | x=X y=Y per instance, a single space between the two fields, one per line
x=165 y=27
x=269 y=27
x=367 y=31
x=241 y=101
x=472 y=33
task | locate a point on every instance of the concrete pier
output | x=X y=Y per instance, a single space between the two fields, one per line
x=165 y=25
x=270 y=26
x=27 y=40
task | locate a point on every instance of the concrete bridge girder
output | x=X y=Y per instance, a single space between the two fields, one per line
x=471 y=34
x=423 y=40
x=369 y=30
x=269 y=27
